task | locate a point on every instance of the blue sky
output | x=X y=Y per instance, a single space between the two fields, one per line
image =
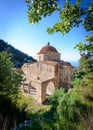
x=16 y=30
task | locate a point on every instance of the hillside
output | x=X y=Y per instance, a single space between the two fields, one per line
x=18 y=57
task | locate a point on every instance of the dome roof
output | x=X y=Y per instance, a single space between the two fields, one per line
x=48 y=48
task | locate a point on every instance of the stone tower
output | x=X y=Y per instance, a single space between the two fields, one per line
x=48 y=53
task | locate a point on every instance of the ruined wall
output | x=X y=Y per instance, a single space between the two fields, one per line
x=65 y=76
x=57 y=76
x=41 y=74
x=38 y=71
x=44 y=86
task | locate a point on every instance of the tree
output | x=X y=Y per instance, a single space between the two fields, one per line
x=39 y=8
x=10 y=81
x=71 y=13
x=10 y=78
x=55 y=97
x=84 y=74
x=77 y=105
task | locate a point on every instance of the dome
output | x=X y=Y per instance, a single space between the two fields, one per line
x=48 y=48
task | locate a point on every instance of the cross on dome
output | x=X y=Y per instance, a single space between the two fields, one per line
x=48 y=43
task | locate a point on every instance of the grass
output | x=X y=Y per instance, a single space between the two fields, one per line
x=34 y=111
x=30 y=104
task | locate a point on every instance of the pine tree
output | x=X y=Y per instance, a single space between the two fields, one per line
x=10 y=78
x=84 y=74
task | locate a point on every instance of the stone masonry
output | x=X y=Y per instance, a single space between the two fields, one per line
x=47 y=74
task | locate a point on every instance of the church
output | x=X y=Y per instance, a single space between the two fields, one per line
x=47 y=74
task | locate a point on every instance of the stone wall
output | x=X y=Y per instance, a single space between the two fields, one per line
x=50 y=56
x=40 y=74
x=38 y=71
x=65 y=76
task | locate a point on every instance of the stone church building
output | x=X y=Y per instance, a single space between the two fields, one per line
x=47 y=74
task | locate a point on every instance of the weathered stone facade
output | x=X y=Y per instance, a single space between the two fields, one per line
x=48 y=73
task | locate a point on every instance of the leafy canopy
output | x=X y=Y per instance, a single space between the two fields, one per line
x=71 y=13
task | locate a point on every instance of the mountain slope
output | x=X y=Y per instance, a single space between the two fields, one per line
x=18 y=57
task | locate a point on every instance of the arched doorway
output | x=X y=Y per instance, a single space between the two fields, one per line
x=49 y=89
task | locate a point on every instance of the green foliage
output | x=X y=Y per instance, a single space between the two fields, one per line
x=10 y=114
x=88 y=21
x=85 y=71
x=67 y=19
x=72 y=110
x=68 y=105
x=10 y=78
x=55 y=97
x=87 y=48
x=71 y=14
x=39 y=8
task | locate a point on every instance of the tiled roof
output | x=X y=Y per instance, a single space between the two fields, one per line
x=63 y=63
x=48 y=48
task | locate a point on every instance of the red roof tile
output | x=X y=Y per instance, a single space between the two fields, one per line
x=48 y=48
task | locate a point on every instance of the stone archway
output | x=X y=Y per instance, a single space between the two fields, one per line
x=44 y=88
x=50 y=88
x=40 y=87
